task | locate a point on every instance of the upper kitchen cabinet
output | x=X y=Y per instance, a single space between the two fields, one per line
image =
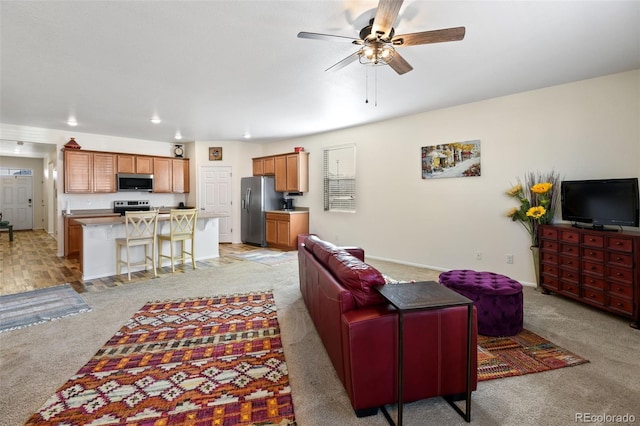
x=128 y=163
x=180 y=175
x=292 y=172
x=170 y=175
x=163 y=174
x=89 y=172
x=264 y=166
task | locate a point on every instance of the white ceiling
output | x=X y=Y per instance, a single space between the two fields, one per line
x=214 y=70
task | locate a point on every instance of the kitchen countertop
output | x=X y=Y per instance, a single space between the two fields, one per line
x=109 y=212
x=296 y=211
x=113 y=220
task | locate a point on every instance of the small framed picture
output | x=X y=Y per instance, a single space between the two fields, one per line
x=215 y=154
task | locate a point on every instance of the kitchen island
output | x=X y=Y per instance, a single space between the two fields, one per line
x=98 y=246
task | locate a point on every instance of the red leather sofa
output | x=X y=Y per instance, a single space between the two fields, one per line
x=359 y=330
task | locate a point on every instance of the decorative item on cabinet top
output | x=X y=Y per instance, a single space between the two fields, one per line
x=72 y=144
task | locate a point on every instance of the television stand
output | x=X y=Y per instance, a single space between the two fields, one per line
x=597 y=268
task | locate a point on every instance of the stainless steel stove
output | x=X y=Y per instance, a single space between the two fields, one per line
x=133 y=206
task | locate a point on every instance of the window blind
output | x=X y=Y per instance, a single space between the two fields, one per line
x=339 y=171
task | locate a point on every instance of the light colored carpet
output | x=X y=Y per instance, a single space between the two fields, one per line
x=35 y=361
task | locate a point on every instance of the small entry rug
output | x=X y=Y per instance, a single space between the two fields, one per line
x=524 y=353
x=202 y=361
x=268 y=257
x=34 y=307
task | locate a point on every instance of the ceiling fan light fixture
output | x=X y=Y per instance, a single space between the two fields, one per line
x=376 y=53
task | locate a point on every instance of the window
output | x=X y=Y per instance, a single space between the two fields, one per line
x=9 y=171
x=339 y=170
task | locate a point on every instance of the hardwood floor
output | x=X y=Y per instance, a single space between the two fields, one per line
x=30 y=262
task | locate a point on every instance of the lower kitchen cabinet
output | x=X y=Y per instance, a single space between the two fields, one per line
x=283 y=228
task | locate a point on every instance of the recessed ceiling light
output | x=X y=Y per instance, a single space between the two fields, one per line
x=247 y=135
x=156 y=120
x=72 y=122
x=178 y=136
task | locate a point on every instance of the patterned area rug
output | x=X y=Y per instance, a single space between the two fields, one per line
x=524 y=353
x=213 y=361
x=38 y=306
x=268 y=257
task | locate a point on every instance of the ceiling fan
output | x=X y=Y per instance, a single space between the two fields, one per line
x=378 y=39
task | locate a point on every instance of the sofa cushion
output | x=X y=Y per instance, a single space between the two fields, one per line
x=357 y=276
x=322 y=250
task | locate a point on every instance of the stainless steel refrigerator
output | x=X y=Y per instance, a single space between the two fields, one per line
x=258 y=196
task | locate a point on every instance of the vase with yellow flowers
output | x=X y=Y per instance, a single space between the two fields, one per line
x=538 y=198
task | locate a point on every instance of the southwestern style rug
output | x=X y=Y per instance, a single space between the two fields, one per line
x=524 y=353
x=39 y=306
x=213 y=361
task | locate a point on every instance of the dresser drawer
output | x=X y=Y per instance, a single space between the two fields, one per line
x=619 y=274
x=569 y=262
x=569 y=288
x=619 y=290
x=548 y=245
x=549 y=282
x=592 y=240
x=592 y=254
x=548 y=257
x=593 y=282
x=623 y=305
x=619 y=259
x=569 y=249
x=570 y=236
x=593 y=267
x=549 y=269
x=593 y=296
x=569 y=275
x=620 y=244
x=549 y=233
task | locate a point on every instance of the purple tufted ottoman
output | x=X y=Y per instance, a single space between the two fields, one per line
x=497 y=298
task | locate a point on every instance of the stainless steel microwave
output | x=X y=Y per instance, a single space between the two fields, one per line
x=135 y=182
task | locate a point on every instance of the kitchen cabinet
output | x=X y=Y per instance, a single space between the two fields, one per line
x=283 y=228
x=163 y=174
x=292 y=172
x=180 y=175
x=89 y=172
x=264 y=166
x=73 y=232
x=129 y=163
x=598 y=268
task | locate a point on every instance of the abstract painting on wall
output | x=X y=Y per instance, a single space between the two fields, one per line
x=455 y=159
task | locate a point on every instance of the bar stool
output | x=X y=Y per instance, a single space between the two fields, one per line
x=182 y=224
x=140 y=230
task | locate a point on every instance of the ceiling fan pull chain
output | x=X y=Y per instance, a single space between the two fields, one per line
x=375 y=70
x=366 y=85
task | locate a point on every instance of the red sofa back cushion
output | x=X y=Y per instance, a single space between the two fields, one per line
x=358 y=277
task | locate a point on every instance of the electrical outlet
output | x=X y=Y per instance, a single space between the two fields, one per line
x=510 y=259
x=478 y=255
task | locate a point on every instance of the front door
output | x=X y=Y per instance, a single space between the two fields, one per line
x=16 y=201
x=216 y=195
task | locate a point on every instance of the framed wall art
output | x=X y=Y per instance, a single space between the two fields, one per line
x=215 y=153
x=455 y=159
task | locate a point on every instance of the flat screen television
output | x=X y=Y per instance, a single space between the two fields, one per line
x=601 y=202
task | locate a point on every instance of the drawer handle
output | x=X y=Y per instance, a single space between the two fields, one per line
x=618 y=274
x=593 y=268
x=618 y=258
x=618 y=304
x=591 y=239
x=619 y=289
x=618 y=243
x=592 y=253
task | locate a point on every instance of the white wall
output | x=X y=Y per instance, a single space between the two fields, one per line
x=587 y=129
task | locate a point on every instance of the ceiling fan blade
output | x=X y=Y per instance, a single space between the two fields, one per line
x=386 y=16
x=343 y=63
x=328 y=37
x=426 y=37
x=399 y=64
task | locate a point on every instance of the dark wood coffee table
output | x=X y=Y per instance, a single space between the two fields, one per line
x=423 y=296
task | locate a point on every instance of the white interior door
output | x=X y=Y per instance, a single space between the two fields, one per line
x=216 y=195
x=16 y=201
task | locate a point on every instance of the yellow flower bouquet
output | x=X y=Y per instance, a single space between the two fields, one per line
x=538 y=199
